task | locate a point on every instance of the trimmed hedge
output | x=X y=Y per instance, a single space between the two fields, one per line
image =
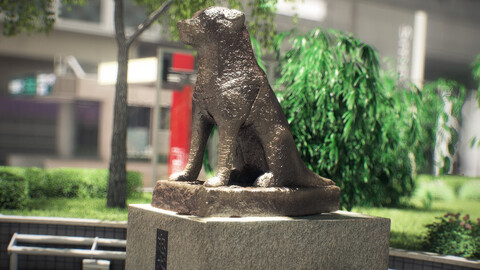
x=13 y=191
x=470 y=190
x=70 y=182
x=438 y=190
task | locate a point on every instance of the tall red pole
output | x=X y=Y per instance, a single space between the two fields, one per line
x=180 y=117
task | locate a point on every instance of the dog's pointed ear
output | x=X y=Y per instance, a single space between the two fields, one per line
x=237 y=18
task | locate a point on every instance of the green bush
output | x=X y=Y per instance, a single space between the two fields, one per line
x=345 y=125
x=434 y=95
x=436 y=189
x=95 y=183
x=453 y=236
x=134 y=184
x=476 y=75
x=37 y=180
x=63 y=183
x=470 y=190
x=70 y=182
x=13 y=191
x=455 y=182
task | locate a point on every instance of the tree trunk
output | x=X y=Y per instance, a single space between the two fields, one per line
x=117 y=180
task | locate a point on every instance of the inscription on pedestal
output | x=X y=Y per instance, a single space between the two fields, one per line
x=162 y=247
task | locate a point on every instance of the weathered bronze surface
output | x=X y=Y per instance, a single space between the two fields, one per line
x=259 y=169
x=256 y=146
x=193 y=198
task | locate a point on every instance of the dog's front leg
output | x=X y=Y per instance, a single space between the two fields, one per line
x=227 y=137
x=201 y=127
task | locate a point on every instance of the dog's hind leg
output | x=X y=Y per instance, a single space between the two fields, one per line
x=282 y=167
x=249 y=159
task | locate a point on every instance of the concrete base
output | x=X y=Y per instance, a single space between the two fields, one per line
x=160 y=239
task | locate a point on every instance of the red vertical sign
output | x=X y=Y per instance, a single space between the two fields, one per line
x=180 y=117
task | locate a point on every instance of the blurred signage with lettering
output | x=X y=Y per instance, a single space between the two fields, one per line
x=403 y=52
x=174 y=77
x=35 y=85
x=178 y=78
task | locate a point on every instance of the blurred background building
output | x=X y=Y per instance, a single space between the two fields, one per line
x=56 y=105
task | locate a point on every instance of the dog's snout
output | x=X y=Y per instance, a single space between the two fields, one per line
x=187 y=22
x=180 y=24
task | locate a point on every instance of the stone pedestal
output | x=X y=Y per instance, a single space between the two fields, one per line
x=161 y=239
x=193 y=198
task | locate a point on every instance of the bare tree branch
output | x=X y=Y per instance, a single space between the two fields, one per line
x=148 y=21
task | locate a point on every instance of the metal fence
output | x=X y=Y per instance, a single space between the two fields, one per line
x=59 y=227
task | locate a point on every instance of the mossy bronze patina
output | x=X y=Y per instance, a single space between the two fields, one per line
x=256 y=147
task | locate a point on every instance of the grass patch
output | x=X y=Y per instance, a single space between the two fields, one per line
x=408 y=224
x=92 y=208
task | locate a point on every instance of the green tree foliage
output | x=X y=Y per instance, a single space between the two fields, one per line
x=422 y=110
x=29 y=16
x=260 y=24
x=345 y=125
x=434 y=97
x=476 y=75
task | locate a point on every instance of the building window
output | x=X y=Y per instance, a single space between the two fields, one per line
x=87 y=114
x=164 y=118
x=138 y=133
x=90 y=12
x=134 y=14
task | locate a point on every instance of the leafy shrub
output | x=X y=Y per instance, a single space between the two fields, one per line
x=434 y=97
x=345 y=125
x=134 y=183
x=436 y=189
x=470 y=190
x=455 y=182
x=37 y=180
x=476 y=75
x=94 y=183
x=453 y=236
x=62 y=183
x=13 y=191
x=430 y=119
x=69 y=182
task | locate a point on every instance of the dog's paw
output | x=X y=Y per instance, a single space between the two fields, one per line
x=216 y=181
x=180 y=176
x=265 y=180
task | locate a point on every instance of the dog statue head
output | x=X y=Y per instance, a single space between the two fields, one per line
x=210 y=25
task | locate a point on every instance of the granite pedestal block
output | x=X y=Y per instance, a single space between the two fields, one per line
x=161 y=239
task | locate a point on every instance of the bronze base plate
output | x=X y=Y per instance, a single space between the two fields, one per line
x=192 y=198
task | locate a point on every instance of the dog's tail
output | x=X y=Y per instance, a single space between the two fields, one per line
x=311 y=179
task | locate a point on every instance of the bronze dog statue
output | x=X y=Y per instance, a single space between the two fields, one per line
x=256 y=146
